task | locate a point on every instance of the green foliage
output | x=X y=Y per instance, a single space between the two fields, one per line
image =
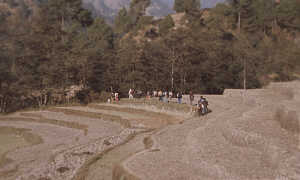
x=122 y=22
x=61 y=45
x=186 y=5
x=166 y=24
x=138 y=9
x=144 y=21
x=288 y=14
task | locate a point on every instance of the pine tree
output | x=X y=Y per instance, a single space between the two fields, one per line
x=264 y=12
x=186 y=5
x=288 y=14
x=166 y=24
x=122 y=22
x=138 y=9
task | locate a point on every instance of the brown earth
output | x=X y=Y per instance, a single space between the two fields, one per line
x=248 y=135
x=252 y=135
x=73 y=139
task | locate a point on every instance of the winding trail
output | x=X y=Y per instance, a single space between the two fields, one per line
x=75 y=140
x=106 y=165
x=243 y=138
x=246 y=136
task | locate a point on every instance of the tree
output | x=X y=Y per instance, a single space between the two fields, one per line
x=186 y=5
x=166 y=24
x=264 y=12
x=288 y=14
x=130 y=66
x=242 y=10
x=138 y=9
x=100 y=52
x=122 y=22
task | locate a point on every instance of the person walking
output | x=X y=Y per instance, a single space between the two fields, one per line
x=154 y=93
x=170 y=96
x=130 y=94
x=179 y=97
x=112 y=97
x=117 y=97
x=191 y=98
x=148 y=96
x=160 y=95
x=166 y=97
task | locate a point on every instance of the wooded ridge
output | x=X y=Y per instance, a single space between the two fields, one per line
x=50 y=48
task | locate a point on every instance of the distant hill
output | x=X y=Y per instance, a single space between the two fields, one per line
x=158 y=8
x=210 y=3
x=110 y=8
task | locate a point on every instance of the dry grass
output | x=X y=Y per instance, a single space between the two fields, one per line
x=82 y=173
x=288 y=120
x=46 y=107
x=117 y=119
x=4 y=160
x=119 y=173
x=8 y=173
x=131 y=110
x=30 y=138
x=288 y=94
x=67 y=124
x=171 y=106
x=150 y=119
x=148 y=142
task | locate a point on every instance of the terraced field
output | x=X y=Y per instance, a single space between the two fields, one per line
x=252 y=135
x=67 y=142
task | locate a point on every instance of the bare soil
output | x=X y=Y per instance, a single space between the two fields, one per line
x=248 y=135
x=75 y=137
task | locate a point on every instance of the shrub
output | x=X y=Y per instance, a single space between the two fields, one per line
x=103 y=96
x=83 y=96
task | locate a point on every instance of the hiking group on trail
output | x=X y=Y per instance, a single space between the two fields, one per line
x=201 y=107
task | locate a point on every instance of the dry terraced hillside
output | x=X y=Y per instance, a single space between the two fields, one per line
x=248 y=135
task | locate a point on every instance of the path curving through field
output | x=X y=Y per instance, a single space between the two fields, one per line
x=75 y=140
x=246 y=136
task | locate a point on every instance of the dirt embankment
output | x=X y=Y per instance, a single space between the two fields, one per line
x=249 y=135
x=107 y=165
x=78 y=139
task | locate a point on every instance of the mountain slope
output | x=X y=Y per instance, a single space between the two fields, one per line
x=158 y=8
x=109 y=8
x=210 y=3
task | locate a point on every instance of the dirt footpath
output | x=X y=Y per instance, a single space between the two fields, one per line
x=247 y=136
x=71 y=139
x=252 y=135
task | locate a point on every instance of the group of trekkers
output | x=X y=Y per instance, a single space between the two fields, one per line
x=114 y=96
x=166 y=96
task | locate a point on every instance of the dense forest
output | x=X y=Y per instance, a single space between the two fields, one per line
x=50 y=50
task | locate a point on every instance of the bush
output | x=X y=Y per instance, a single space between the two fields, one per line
x=83 y=96
x=94 y=95
x=103 y=96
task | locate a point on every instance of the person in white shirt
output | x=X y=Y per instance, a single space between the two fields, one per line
x=130 y=94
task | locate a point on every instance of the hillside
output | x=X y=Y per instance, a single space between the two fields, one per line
x=246 y=136
x=159 y=8
x=109 y=9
